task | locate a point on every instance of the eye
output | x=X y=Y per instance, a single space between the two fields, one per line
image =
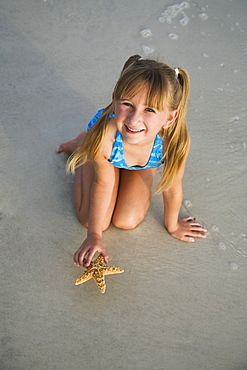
x=150 y=110
x=127 y=104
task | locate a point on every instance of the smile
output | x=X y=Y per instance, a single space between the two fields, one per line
x=132 y=131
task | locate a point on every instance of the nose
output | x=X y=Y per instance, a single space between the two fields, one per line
x=135 y=117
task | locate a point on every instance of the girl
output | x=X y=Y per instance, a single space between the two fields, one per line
x=115 y=160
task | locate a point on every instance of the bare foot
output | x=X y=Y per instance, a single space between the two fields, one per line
x=70 y=146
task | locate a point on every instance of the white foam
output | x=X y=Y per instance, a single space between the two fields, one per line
x=173 y=36
x=215 y=228
x=203 y=16
x=185 y=20
x=187 y=203
x=147 y=49
x=146 y=33
x=173 y=11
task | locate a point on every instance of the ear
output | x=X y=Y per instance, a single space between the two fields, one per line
x=171 y=118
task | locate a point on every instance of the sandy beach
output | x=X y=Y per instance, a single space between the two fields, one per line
x=177 y=306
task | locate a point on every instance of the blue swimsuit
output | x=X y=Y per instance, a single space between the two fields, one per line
x=117 y=154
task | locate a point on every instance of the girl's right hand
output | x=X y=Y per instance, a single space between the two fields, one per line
x=92 y=244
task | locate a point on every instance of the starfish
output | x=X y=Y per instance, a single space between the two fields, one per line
x=97 y=269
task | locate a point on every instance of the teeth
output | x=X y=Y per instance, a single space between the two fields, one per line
x=131 y=129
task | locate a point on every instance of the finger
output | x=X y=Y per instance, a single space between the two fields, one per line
x=76 y=257
x=82 y=258
x=106 y=256
x=188 y=239
x=199 y=228
x=196 y=225
x=79 y=257
x=197 y=234
x=188 y=219
x=89 y=258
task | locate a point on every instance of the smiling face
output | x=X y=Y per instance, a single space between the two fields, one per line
x=138 y=122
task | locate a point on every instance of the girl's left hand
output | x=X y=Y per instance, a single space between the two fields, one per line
x=188 y=229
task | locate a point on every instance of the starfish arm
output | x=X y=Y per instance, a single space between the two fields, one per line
x=87 y=275
x=109 y=270
x=100 y=280
x=99 y=260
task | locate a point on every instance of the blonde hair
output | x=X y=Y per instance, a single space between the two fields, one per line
x=166 y=89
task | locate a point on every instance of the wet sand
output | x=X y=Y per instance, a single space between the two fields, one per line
x=177 y=306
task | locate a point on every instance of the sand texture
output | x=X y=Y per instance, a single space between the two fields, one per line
x=177 y=306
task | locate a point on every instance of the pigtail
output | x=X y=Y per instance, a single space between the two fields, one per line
x=176 y=136
x=133 y=59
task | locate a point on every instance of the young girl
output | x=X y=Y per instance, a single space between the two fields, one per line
x=115 y=160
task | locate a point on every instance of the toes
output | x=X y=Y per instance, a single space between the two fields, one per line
x=60 y=149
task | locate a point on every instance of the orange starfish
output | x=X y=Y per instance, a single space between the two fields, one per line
x=96 y=270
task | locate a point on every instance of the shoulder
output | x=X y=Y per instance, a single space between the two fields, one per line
x=107 y=143
x=109 y=140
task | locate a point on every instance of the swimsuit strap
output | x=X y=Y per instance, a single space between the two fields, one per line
x=94 y=119
x=117 y=154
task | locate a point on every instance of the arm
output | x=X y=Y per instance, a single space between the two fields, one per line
x=186 y=228
x=102 y=200
x=102 y=194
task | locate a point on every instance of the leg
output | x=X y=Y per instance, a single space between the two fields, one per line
x=134 y=197
x=82 y=188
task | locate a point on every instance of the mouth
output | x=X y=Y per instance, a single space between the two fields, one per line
x=133 y=131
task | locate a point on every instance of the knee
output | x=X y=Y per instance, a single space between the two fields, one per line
x=127 y=223
x=84 y=222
